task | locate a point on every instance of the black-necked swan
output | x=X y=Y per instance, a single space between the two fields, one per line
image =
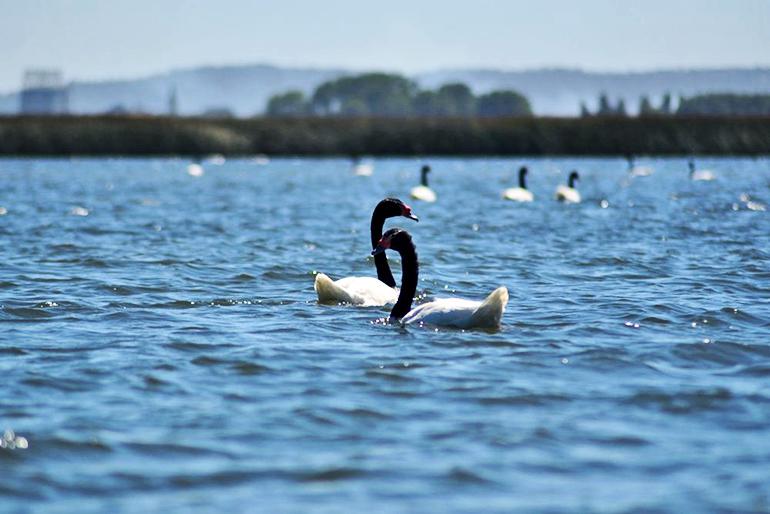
x=568 y=193
x=367 y=291
x=700 y=174
x=447 y=312
x=521 y=193
x=637 y=171
x=423 y=191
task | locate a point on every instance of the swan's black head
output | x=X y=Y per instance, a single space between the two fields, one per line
x=691 y=164
x=523 y=173
x=424 y=175
x=572 y=178
x=392 y=207
x=396 y=239
x=425 y=169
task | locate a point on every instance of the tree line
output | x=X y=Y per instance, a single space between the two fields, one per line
x=346 y=136
x=390 y=95
x=724 y=104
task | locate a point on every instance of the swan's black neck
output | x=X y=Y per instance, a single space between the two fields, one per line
x=572 y=177
x=424 y=177
x=522 y=174
x=380 y=260
x=410 y=270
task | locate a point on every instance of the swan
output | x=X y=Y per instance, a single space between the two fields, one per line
x=447 y=312
x=423 y=192
x=700 y=174
x=194 y=169
x=637 y=171
x=568 y=193
x=521 y=193
x=367 y=291
x=362 y=169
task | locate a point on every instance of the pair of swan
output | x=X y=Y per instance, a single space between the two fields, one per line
x=567 y=194
x=369 y=291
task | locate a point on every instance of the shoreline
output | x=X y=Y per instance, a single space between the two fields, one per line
x=104 y=136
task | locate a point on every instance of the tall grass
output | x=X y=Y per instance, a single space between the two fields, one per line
x=104 y=135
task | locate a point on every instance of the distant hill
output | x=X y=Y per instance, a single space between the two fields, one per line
x=245 y=89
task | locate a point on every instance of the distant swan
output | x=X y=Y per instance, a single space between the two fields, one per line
x=521 y=193
x=448 y=312
x=423 y=192
x=700 y=174
x=362 y=169
x=637 y=171
x=568 y=193
x=367 y=291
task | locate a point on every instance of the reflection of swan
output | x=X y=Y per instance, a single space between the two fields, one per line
x=367 y=291
x=521 y=193
x=637 y=171
x=423 y=192
x=700 y=174
x=449 y=312
x=568 y=193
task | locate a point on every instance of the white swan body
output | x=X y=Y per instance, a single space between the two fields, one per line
x=567 y=194
x=460 y=313
x=363 y=169
x=518 y=194
x=641 y=171
x=195 y=170
x=423 y=193
x=363 y=291
x=703 y=175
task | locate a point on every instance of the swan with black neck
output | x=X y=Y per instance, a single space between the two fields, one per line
x=521 y=193
x=568 y=193
x=367 y=291
x=447 y=312
x=423 y=191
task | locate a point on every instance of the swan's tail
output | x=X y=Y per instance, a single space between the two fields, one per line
x=491 y=310
x=329 y=292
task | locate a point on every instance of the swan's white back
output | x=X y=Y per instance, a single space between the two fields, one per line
x=363 y=291
x=567 y=194
x=423 y=193
x=518 y=194
x=363 y=169
x=703 y=175
x=195 y=170
x=459 y=313
x=641 y=171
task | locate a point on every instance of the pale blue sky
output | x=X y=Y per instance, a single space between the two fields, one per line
x=102 y=39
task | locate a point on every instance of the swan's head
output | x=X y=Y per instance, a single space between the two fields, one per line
x=425 y=169
x=691 y=164
x=394 y=239
x=572 y=178
x=392 y=207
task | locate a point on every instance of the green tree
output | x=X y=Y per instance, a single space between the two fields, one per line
x=456 y=100
x=378 y=94
x=726 y=105
x=503 y=103
x=645 y=107
x=665 y=104
x=291 y=103
x=426 y=103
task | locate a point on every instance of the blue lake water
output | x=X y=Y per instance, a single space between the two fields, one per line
x=161 y=348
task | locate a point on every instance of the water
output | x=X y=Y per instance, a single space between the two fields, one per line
x=161 y=348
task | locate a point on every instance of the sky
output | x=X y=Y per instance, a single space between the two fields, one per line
x=106 y=39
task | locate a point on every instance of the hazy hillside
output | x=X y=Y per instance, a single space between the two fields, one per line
x=246 y=89
x=560 y=91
